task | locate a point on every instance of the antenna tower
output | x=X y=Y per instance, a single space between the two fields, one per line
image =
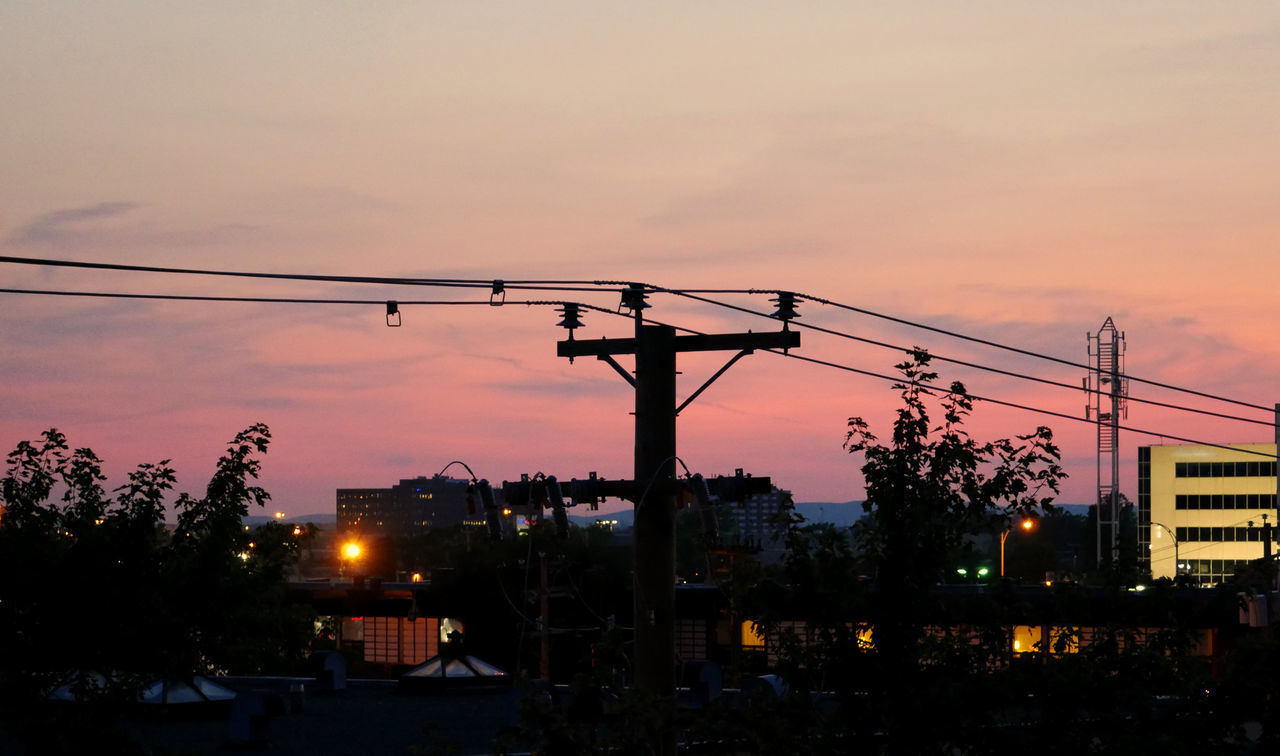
x=1108 y=390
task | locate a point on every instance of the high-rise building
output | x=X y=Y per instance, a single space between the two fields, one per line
x=760 y=522
x=410 y=507
x=1203 y=510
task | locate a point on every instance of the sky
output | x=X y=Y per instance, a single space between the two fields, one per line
x=1013 y=171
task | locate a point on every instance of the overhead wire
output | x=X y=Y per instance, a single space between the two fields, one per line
x=265 y=300
x=987 y=368
x=884 y=345
x=801 y=296
x=989 y=400
x=594 y=287
x=557 y=285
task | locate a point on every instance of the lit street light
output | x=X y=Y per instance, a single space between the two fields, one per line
x=348 y=554
x=1027 y=525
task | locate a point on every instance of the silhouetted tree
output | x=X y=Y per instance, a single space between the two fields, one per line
x=929 y=490
x=94 y=591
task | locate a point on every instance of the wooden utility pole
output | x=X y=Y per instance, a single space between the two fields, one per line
x=655 y=486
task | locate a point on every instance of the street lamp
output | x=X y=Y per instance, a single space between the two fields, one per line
x=1027 y=525
x=1177 y=563
x=349 y=553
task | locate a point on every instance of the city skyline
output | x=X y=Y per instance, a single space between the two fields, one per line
x=1017 y=172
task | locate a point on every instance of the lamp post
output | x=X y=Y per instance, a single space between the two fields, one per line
x=1177 y=563
x=348 y=555
x=1028 y=524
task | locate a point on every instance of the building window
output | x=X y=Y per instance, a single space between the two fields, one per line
x=1224 y=469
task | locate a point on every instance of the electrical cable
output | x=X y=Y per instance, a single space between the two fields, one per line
x=990 y=400
x=1183 y=550
x=800 y=296
x=263 y=300
x=378 y=280
x=594 y=286
x=1000 y=371
x=1027 y=408
x=597 y=308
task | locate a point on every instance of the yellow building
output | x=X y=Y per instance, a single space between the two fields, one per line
x=1201 y=509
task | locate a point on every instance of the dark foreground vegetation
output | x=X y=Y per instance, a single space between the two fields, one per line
x=870 y=650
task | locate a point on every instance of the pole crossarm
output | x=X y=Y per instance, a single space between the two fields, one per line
x=746 y=343
x=714 y=342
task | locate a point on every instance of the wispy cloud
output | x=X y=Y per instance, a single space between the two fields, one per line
x=105 y=224
x=55 y=227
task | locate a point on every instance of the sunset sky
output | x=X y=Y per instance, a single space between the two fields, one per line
x=1014 y=171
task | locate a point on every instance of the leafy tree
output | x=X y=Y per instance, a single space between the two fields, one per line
x=932 y=488
x=94 y=591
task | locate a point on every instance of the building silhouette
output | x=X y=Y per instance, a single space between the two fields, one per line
x=411 y=507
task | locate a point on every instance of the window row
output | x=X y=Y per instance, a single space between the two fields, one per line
x=1222 y=535
x=1224 y=501
x=1258 y=469
x=1210 y=571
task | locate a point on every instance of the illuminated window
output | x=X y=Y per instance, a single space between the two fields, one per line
x=865 y=634
x=1064 y=640
x=1026 y=638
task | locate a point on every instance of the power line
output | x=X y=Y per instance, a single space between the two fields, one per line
x=277 y=300
x=990 y=399
x=998 y=371
x=873 y=342
x=499 y=285
x=596 y=308
x=378 y=280
x=692 y=294
x=1024 y=407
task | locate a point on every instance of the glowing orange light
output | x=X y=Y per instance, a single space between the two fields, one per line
x=417 y=577
x=351 y=550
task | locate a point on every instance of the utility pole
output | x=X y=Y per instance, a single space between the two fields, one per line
x=655 y=486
